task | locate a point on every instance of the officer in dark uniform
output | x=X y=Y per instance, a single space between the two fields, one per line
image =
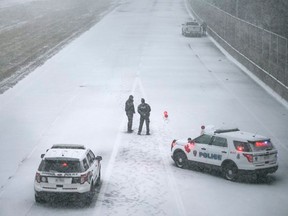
x=130 y=110
x=144 y=111
x=204 y=27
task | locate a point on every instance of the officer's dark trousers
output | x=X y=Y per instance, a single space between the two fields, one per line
x=130 y=121
x=147 y=121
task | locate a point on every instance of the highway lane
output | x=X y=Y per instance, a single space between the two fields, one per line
x=33 y=31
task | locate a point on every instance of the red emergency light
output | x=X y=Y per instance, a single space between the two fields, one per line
x=261 y=144
x=165 y=114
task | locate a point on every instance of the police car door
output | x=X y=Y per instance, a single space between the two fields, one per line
x=93 y=164
x=217 y=151
x=201 y=145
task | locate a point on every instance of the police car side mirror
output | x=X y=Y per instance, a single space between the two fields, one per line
x=99 y=158
x=42 y=155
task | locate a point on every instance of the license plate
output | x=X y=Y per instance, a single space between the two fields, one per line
x=59 y=180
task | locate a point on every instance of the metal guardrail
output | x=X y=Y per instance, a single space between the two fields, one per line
x=263 y=52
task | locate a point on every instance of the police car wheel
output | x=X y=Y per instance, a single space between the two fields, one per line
x=88 y=197
x=39 y=199
x=261 y=177
x=230 y=171
x=180 y=159
x=98 y=181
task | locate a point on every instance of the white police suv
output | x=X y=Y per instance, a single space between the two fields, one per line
x=67 y=169
x=231 y=151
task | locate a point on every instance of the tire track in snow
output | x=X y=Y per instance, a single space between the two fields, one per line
x=169 y=173
x=171 y=179
x=145 y=190
x=136 y=187
x=111 y=162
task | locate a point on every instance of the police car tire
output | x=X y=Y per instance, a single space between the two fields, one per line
x=261 y=177
x=39 y=199
x=230 y=171
x=92 y=188
x=180 y=159
x=87 y=199
x=98 y=179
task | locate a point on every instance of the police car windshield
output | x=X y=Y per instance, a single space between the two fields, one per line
x=63 y=166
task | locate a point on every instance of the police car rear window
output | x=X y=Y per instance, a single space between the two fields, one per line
x=62 y=166
x=242 y=146
x=261 y=145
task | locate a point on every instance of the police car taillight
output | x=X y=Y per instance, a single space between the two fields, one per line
x=249 y=157
x=40 y=178
x=173 y=144
x=85 y=178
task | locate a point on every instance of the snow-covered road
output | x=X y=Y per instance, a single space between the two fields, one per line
x=78 y=96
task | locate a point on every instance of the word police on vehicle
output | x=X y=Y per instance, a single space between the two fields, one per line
x=210 y=156
x=232 y=152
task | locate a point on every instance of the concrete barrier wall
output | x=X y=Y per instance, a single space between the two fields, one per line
x=262 y=52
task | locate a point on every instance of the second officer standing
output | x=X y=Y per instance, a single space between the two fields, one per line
x=144 y=110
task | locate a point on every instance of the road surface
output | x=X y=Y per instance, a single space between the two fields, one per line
x=78 y=96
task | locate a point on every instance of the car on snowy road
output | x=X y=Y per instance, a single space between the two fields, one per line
x=192 y=29
x=67 y=169
x=232 y=152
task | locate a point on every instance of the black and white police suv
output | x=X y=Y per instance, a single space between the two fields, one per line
x=67 y=169
x=231 y=151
